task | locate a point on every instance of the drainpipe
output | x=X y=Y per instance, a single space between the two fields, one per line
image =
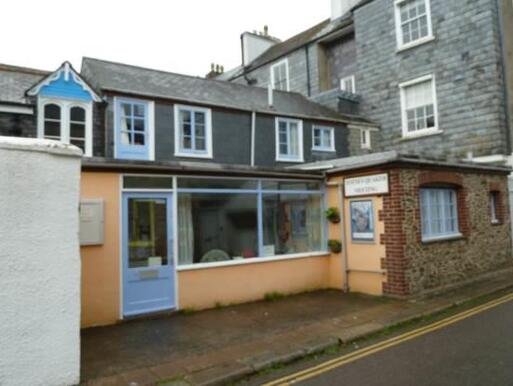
x=253 y=128
x=345 y=269
x=308 y=82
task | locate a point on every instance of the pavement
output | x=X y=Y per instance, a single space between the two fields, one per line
x=480 y=352
x=220 y=346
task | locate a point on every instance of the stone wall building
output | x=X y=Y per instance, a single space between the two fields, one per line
x=452 y=58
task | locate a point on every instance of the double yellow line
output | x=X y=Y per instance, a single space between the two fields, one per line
x=354 y=356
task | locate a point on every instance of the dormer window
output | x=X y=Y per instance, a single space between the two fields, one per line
x=65 y=108
x=52 y=121
x=66 y=121
x=280 y=75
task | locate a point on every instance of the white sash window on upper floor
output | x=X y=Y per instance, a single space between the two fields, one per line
x=289 y=140
x=413 y=23
x=280 y=75
x=419 y=108
x=193 y=132
x=323 y=138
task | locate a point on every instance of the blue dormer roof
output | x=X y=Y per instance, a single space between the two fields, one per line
x=64 y=83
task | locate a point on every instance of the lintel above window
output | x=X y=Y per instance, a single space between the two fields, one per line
x=413 y=23
x=193 y=132
x=280 y=75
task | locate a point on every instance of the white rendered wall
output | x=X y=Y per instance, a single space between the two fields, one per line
x=39 y=263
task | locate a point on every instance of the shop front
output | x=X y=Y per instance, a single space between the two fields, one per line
x=175 y=241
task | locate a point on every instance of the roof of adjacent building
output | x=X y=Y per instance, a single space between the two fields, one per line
x=318 y=31
x=14 y=81
x=394 y=157
x=144 y=82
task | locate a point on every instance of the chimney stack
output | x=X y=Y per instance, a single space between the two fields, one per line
x=340 y=7
x=256 y=43
x=215 y=71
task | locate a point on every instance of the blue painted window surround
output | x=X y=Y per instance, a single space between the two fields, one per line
x=193 y=132
x=132 y=129
x=323 y=138
x=289 y=140
x=439 y=213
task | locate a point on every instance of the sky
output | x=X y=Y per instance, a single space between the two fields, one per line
x=182 y=36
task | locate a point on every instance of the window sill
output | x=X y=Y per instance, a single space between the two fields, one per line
x=294 y=161
x=430 y=240
x=192 y=155
x=420 y=135
x=254 y=260
x=323 y=150
x=416 y=43
x=494 y=223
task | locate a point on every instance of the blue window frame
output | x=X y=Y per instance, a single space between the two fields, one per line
x=132 y=129
x=289 y=140
x=439 y=213
x=323 y=138
x=193 y=134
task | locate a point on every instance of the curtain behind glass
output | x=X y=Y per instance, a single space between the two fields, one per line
x=185 y=230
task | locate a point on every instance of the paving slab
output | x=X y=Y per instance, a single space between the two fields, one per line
x=222 y=345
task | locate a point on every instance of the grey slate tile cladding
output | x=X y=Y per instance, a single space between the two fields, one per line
x=465 y=61
x=341 y=60
x=18 y=125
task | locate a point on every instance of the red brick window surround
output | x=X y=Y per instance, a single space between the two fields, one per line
x=447 y=180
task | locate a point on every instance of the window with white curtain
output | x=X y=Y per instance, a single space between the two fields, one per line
x=418 y=104
x=413 y=22
x=323 y=138
x=348 y=84
x=438 y=212
x=193 y=134
x=280 y=75
x=289 y=140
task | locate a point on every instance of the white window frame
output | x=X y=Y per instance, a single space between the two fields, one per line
x=280 y=63
x=208 y=132
x=399 y=33
x=404 y=118
x=494 y=197
x=353 y=83
x=427 y=235
x=330 y=148
x=285 y=158
x=365 y=139
x=65 y=106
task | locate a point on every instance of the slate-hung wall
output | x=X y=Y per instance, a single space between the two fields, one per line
x=18 y=125
x=231 y=136
x=464 y=57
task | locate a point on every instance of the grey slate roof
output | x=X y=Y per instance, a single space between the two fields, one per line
x=14 y=81
x=123 y=78
x=388 y=157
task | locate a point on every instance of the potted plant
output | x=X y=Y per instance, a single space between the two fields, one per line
x=335 y=246
x=333 y=215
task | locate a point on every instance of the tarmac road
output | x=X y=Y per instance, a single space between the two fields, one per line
x=476 y=350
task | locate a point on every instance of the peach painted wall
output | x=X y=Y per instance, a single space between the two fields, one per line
x=363 y=258
x=101 y=264
x=206 y=288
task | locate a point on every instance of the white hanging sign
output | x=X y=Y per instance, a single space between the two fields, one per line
x=366 y=185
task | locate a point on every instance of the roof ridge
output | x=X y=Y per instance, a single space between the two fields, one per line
x=25 y=70
x=224 y=82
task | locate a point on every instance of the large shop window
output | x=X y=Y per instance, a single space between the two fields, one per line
x=439 y=213
x=222 y=220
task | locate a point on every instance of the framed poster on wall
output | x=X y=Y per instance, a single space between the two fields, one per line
x=362 y=220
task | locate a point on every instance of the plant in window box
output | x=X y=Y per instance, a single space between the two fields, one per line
x=333 y=215
x=335 y=246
